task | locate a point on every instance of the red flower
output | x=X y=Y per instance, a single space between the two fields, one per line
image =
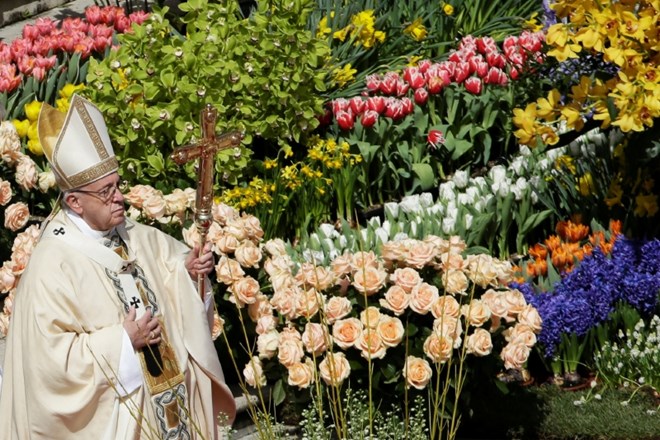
x=373 y=82
x=424 y=65
x=389 y=83
x=435 y=138
x=421 y=96
x=414 y=77
x=395 y=109
x=478 y=66
x=377 y=104
x=496 y=76
x=340 y=104
x=407 y=105
x=357 y=105
x=462 y=72
x=473 y=85
x=369 y=118
x=345 y=119
x=495 y=59
x=402 y=88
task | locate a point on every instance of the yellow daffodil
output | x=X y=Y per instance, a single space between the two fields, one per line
x=341 y=34
x=416 y=30
x=447 y=9
x=646 y=205
x=562 y=53
x=344 y=75
x=270 y=164
x=532 y=23
x=323 y=30
x=614 y=195
x=590 y=38
x=33 y=131
x=546 y=106
x=557 y=35
x=572 y=115
x=580 y=91
x=63 y=104
x=586 y=184
x=21 y=127
x=32 y=110
x=565 y=162
x=628 y=122
x=68 y=90
x=525 y=119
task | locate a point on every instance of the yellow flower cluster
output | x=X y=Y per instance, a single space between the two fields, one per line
x=256 y=193
x=344 y=75
x=331 y=155
x=362 y=29
x=416 y=30
x=626 y=34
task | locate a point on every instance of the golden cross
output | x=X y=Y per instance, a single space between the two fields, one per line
x=205 y=151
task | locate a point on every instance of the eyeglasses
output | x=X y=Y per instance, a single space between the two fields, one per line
x=106 y=193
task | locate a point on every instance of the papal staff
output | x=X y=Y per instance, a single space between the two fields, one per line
x=205 y=151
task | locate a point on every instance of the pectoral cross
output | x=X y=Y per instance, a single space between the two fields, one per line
x=205 y=151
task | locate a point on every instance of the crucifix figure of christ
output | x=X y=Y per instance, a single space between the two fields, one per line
x=205 y=151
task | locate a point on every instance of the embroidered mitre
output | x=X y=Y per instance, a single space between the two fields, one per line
x=76 y=144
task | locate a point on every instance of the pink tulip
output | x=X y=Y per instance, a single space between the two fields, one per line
x=496 y=76
x=388 y=84
x=38 y=73
x=473 y=85
x=100 y=44
x=395 y=109
x=407 y=105
x=139 y=17
x=93 y=15
x=435 y=85
x=20 y=48
x=424 y=65
x=421 y=96
x=345 y=119
x=414 y=77
x=5 y=53
x=462 y=72
x=340 y=104
x=30 y=32
x=74 y=25
x=9 y=80
x=478 y=66
x=531 y=42
x=495 y=59
x=123 y=24
x=402 y=87
x=435 y=138
x=101 y=30
x=357 y=105
x=486 y=45
x=377 y=104
x=373 y=82
x=45 y=25
x=468 y=42
x=369 y=118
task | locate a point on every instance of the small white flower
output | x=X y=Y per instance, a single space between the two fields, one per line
x=446 y=191
x=593 y=384
x=597 y=396
x=115 y=64
x=460 y=178
x=410 y=204
x=135 y=124
x=392 y=208
x=178 y=52
x=426 y=199
x=624 y=403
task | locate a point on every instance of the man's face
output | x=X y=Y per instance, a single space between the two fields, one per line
x=100 y=203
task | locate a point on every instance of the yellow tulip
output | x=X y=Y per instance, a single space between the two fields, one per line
x=32 y=110
x=35 y=147
x=21 y=127
x=646 y=205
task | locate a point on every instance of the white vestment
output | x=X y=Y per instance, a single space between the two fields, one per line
x=62 y=360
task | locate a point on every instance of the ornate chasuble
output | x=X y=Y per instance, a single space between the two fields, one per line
x=162 y=374
x=62 y=360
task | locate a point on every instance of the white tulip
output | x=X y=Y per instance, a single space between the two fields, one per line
x=392 y=209
x=460 y=178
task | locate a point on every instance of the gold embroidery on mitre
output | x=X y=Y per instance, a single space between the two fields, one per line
x=91 y=128
x=96 y=172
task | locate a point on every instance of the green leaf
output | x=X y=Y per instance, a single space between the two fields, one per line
x=424 y=176
x=278 y=392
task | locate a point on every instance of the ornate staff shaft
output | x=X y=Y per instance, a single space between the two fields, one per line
x=205 y=151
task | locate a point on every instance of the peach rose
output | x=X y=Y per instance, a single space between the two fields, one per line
x=446 y=305
x=516 y=302
x=440 y=244
x=481 y=270
x=267 y=344
x=244 y=291
x=190 y=234
x=46 y=181
x=336 y=308
x=137 y=195
x=290 y=333
x=390 y=330
x=176 y=202
x=154 y=206
x=309 y=302
x=476 y=313
x=520 y=333
x=226 y=243
x=371 y=344
x=278 y=265
x=341 y=265
x=406 y=278
x=530 y=317
x=417 y=372
x=27 y=239
x=316 y=276
x=449 y=261
x=266 y=323
x=455 y=282
x=27 y=175
x=248 y=255
x=334 y=369
x=392 y=251
x=5 y=192
x=396 y=299
x=254 y=373
x=16 y=216
x=315 y=337
x=496 y=302
x=479 y=343
x=236 y=227
x=8 y=306
x=285 y=301
x=370 y=317
x=361 y=260
x=505 y=272
x=420 y=254
x=218 y=326
x=369 y=280
x=7 y=278
x=438 y=348
x=301 y=374
x=346 y=331
x=422 y=298
x=450 y=327
x=228 y=270
x=4 y=324
x=290 y=352
x=223 y=213
x=275 y=247
x=515 y=354
x=252 y=228
x=260 y=307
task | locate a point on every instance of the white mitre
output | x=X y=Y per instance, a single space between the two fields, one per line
x=77 y=145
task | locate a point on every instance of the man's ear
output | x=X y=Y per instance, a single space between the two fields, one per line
x=73 y=202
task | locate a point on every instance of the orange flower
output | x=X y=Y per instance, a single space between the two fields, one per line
x=538 y=251
x=570 y=231
x=538 y=267
x=552 y=242
x=561 y=257
x=615 y=227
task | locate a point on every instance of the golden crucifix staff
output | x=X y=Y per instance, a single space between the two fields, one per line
x=205 y=151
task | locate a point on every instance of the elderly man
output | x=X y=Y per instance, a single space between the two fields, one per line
x=109 y=338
